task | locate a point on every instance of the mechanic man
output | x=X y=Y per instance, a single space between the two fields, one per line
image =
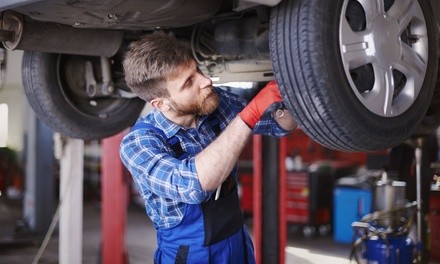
x=183 y=154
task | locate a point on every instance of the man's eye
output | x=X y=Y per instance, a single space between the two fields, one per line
x=188 y=83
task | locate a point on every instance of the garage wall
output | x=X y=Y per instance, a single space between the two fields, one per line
x=13 y=95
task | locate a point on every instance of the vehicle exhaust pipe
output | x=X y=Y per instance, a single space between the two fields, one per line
x=21 y=33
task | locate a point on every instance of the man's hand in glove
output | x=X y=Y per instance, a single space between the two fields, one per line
x=252 y=113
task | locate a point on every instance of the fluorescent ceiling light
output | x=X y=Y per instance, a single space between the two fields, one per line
x=244 y=85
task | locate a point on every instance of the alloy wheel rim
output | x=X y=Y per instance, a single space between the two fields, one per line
x=384 y=52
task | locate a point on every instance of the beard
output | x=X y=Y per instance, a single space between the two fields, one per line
x=202 y=105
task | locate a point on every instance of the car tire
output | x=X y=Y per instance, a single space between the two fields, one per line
x=431 y=121
x=55 y=87
x=329 y=94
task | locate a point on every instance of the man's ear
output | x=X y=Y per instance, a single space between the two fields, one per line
x=161 y=104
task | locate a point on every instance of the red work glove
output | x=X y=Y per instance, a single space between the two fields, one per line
x=252 y=113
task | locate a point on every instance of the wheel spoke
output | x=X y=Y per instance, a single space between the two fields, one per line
x=412 y=66
x=380 y=99
x=355 y=48
x=372 y=8
x=383 y=91
x=404 y=11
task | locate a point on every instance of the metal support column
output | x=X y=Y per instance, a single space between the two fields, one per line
x=38 y=204
x=71 y=201
x=114 y=193
x=257 y=196
x=269 y=217
x=282 y=199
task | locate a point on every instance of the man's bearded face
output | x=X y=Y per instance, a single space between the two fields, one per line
x=203 y=104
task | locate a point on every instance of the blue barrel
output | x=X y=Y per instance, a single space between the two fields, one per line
x=352 y=199
x=400 y=250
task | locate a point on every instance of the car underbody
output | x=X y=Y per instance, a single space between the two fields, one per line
x=357 y=75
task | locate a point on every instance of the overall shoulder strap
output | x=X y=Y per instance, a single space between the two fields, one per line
x=215 y=124
x=173 y=141
x=147 y=126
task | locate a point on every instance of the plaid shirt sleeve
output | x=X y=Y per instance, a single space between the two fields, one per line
x=148 y=157
x=268 y=126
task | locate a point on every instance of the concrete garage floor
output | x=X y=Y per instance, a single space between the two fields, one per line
x=141 y=239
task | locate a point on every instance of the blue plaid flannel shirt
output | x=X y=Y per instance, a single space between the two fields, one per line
x=166 y=183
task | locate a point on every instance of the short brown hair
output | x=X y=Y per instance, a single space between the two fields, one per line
x=150 y=60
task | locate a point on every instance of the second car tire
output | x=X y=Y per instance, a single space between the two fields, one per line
x=55 y=87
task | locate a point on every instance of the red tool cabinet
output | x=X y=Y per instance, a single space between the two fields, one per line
x=309 y=198
x=297 y=195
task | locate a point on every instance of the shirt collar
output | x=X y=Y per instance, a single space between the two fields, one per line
x=169 y=128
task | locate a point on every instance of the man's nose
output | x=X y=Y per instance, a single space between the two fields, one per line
x=205 y=81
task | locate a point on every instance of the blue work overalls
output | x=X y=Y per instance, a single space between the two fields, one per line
x=211 y=232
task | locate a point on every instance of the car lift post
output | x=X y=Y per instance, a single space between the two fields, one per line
x=269 y=199
x=418 y=160
x=71 y=154
x=38 y=204
x=114 y=195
